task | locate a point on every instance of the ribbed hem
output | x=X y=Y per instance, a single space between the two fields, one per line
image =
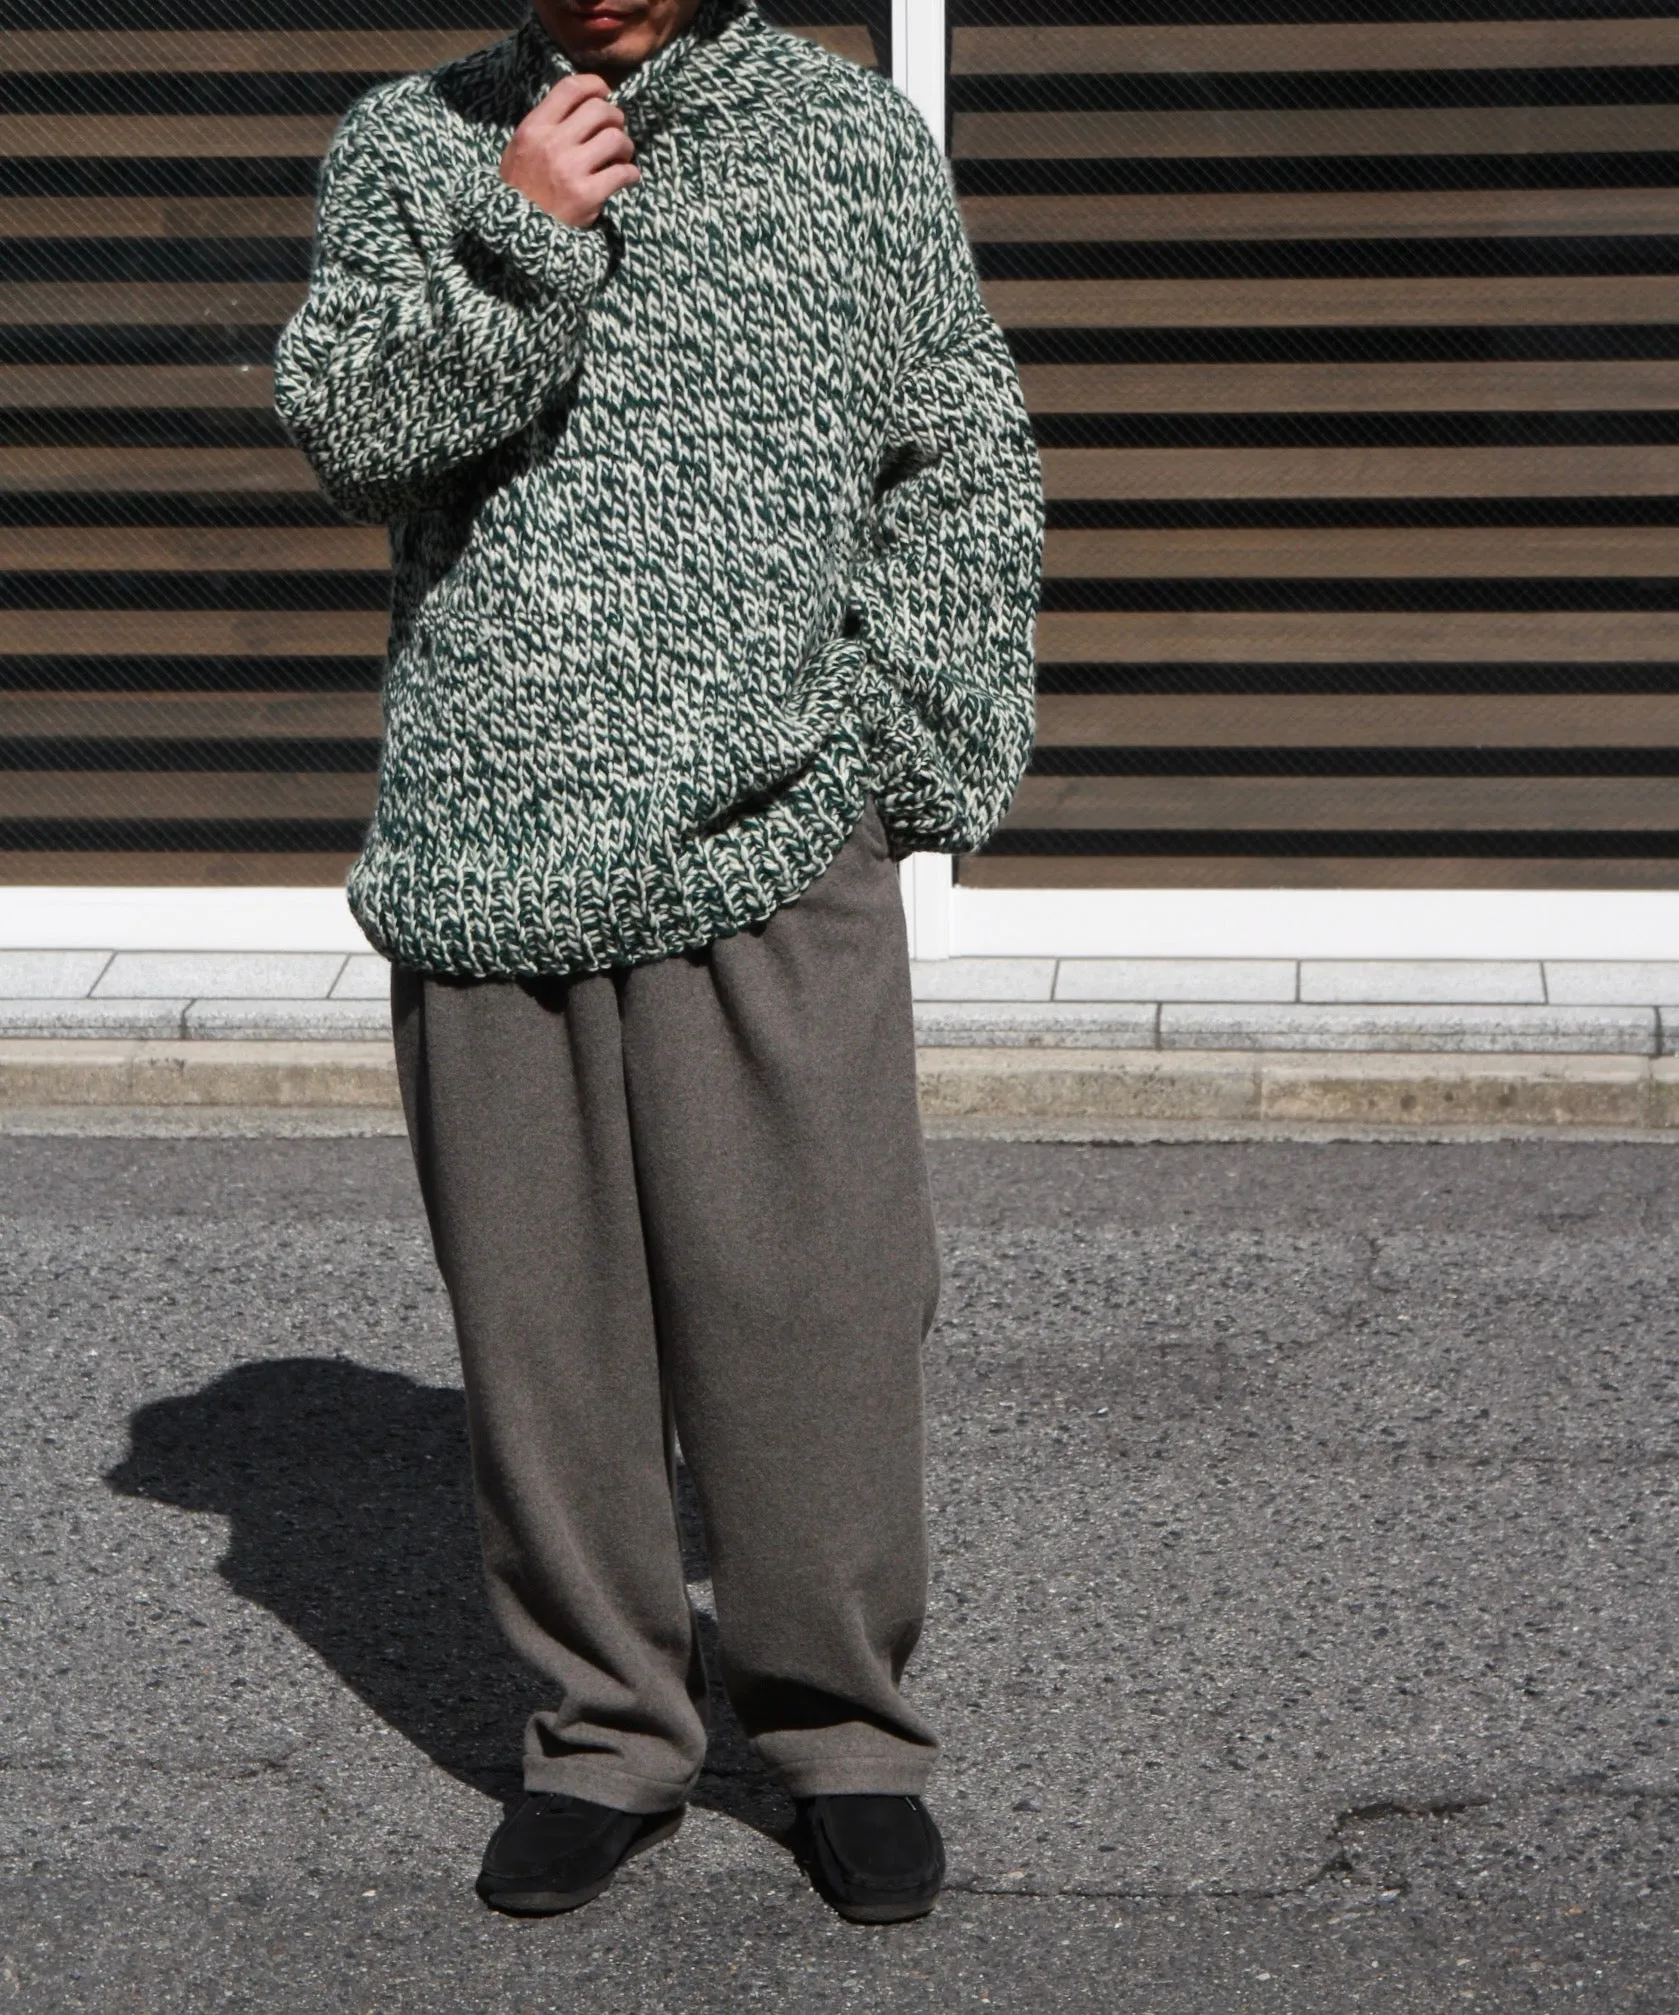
x=568 y=260
x=523 y=919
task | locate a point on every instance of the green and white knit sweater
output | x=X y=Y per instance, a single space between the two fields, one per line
x=708 y=521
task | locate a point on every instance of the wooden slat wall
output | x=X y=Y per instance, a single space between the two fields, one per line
x=190 y=641
x=1351 y=346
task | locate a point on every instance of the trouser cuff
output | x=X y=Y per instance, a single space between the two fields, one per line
x=826 y=1775
x=603 y=1782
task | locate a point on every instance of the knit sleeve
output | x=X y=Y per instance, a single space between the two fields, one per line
x=443 y=315
x=943 y=591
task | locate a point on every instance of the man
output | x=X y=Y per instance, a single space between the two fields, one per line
x=716 y=519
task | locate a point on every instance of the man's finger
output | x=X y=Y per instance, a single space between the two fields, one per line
x=603 y=144
x=611 y=143
x=566 y=96
x=610 y=180
x=585 y=119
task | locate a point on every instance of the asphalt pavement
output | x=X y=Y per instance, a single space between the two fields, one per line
x=1303 y=1634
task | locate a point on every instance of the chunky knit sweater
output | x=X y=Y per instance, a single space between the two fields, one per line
x=708 y=521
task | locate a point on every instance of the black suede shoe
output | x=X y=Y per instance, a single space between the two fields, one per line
x=875 y=1856
x=554 y=1852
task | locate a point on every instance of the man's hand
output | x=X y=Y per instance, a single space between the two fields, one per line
x=572 y=151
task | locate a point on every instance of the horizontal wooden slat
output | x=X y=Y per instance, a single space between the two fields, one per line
x=99 y=869
x=1375 y=804
x=1351 y=552
x=1429 y=129
x=156 y=217
x=1169 y=48
x=244 y=304
x=1644 y=384
x=1485 y=385
x=1065 y=720
x=89 y=52
x=185 y=794
x=845 y=38
x=194 y=633
x=1315 y=213
x=1469 y=300
x=1412 y=636
x=217 y=549
x=132 y=387
x=1343 y=804
x=38 y=136
x=1301 y=304
x=1155 y=48
x=1358 y=472
x=1063 y=637
x=1293 y=870
x=179 y=471
x=290 y=51
x=1289 y=214
x=1343 y=720
x=192 y=716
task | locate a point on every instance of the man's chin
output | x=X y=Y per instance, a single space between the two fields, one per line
x=607 y=39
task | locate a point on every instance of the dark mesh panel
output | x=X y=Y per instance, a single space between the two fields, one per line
x=1348 y=327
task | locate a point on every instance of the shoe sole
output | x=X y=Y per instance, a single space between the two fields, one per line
x=881 y=1913
x=553 y=1902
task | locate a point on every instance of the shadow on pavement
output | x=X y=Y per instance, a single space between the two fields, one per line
x=349 y=1495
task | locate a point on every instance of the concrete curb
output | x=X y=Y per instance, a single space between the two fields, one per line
x=1619 y=1092
x=88 y=1071
x=1070 y=1086
x=1431 y=1029
x=1286 y=1028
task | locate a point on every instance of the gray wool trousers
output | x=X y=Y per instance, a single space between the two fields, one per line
x=691 y=1196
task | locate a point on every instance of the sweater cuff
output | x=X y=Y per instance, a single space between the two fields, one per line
x=881 y=704
x=842 y=680
x=566 y=259
x=848 y=678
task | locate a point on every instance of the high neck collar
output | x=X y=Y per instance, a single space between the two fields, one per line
x=715 y=22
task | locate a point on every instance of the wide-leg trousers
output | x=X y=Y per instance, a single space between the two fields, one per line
x=692 y=1195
